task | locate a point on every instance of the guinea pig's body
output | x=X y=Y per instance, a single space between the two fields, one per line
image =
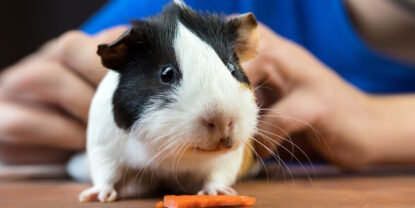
x=175 y=112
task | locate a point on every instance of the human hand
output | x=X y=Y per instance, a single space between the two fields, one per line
x=297 y=93
x=44 y=98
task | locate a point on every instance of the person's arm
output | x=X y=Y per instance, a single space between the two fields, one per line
x=298 y=93
x=393 y=129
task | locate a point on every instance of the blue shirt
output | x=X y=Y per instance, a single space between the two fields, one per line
x=323 y=28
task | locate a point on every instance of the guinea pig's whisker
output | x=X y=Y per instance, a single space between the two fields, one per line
x=175 y=172
x=153 y=140
x=275 y=157
x=287 y=136
x=277 y=144
x=295 y=157
x=173 y=151
x=165 y=156
x=141 y=173
x=278 y=115
x=259 y=158
x=160 y=152
x=316 y=133
x=288 y=139
x=278 y=160
x=293 y=146
x=178 y=147
x=263 y=85
x=177 y=140
x=170 y=152
x=125 y=174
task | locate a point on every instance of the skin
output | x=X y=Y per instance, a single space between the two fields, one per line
x=44 y=99
x=354 y=129
x=345 y=125
x=295 y=90
x=385 y=27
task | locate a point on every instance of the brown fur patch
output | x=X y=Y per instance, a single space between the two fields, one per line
x=248 y=160
x=249 y=37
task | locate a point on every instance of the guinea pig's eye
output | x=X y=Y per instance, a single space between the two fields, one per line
x=168 y=74
x=231 y=68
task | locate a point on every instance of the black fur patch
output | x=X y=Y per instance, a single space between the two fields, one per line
x=150 y=47
x=139 y=84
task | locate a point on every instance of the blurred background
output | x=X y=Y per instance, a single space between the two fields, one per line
x=26 y=25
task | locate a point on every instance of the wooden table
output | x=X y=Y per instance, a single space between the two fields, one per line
x=356 y=191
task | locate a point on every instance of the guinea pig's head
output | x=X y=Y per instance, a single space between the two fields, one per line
x=181 y=85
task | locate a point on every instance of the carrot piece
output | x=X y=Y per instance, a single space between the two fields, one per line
x=160 y=204
x=201 y=201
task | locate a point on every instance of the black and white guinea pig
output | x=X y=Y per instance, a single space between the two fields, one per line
x=176 y=111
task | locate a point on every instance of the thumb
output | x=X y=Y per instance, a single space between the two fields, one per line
x=78 y=51
x=281 y=58
x=109 y=35
x=293 y=113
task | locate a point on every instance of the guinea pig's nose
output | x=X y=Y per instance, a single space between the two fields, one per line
x=226 y=143
x=218 y=123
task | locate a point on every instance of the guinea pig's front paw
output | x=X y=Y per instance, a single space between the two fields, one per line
x=103 y=194
x=217 y=190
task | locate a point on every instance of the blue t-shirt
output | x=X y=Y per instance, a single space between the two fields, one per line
x=323 y=28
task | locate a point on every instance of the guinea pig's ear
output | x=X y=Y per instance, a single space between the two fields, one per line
x=113 y=55
x=248 y=36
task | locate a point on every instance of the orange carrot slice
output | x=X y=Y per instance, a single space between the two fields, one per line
x=160 y=204
x=202 y=201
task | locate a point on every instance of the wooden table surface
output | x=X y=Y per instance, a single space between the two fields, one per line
x=361 y=191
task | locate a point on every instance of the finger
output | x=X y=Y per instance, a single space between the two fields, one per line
x=267 y=33
x=28 y=126
x=261 y=70
x=282 y=120
x=79 y=52
x=261 y=66
x=109 y=35
x=255 y=71
x=267 y=67
x=292 y=62
x=50 y=83
x=13 y=154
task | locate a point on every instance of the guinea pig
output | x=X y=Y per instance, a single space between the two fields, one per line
x=175 y=112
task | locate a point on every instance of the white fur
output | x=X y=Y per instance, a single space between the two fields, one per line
x=180 y=3
x=163 y=139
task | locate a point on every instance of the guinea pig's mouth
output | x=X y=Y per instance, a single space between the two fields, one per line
x=200 y=149
x=214 y=149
